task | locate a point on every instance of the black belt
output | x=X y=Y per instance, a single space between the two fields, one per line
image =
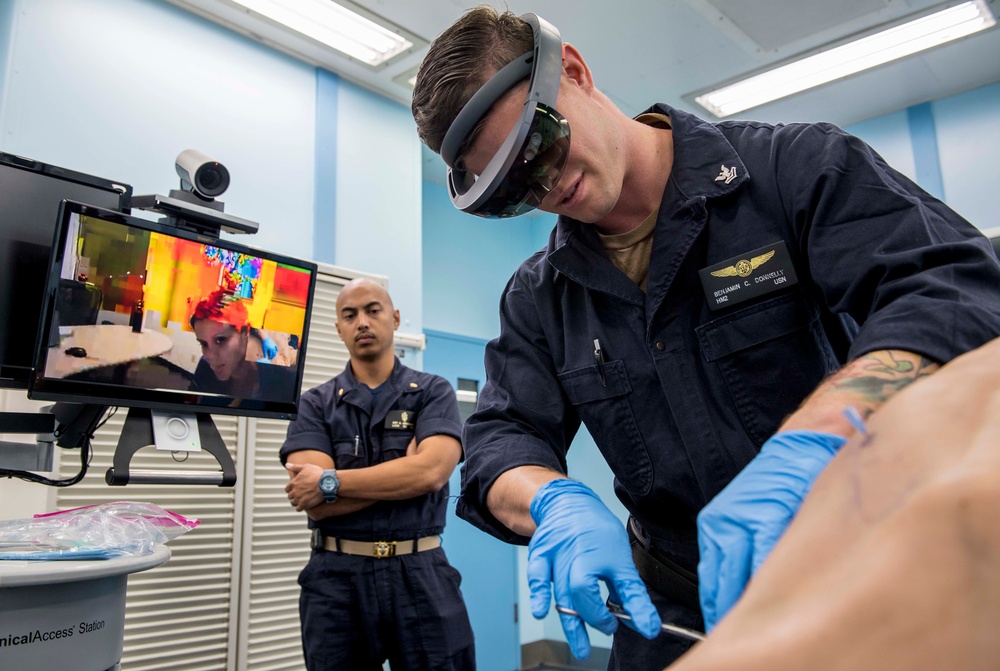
x=662 y=573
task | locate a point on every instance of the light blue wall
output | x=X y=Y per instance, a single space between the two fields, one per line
x=923 y=135
x=468 y=261
x=889 y=135
x=119 y=88
x=378 y=201
x=968 y=127
x=948 y=147
x=327 y=128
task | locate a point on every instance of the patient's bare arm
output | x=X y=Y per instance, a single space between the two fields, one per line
x=893 y=561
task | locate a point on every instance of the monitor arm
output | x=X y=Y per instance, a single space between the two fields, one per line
x=68 y=425
x=23 y=456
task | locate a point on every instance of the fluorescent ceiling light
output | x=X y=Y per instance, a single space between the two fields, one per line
x=826 y=66
x=408 y=78
x=335 y=26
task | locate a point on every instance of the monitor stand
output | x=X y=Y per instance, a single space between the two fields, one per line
x=20 y=456
x=137 y=433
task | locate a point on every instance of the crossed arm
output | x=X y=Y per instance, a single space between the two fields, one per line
x=425 y=468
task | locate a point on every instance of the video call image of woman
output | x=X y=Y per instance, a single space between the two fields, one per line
x=225 y=336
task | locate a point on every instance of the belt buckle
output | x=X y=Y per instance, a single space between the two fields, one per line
x=316 y=540
x=384 y=549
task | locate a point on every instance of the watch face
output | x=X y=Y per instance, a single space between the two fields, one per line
x=327 y=482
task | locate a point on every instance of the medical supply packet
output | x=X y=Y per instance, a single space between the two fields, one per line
x=99 y=531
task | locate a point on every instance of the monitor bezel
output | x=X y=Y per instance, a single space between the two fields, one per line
x=16 y=376
x=122 y=189
x=77 y=391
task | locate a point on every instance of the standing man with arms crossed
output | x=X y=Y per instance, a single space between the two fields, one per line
x=712 y=299
x=369 y=458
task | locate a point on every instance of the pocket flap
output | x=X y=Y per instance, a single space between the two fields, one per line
x=583 y=385
x=755 y=325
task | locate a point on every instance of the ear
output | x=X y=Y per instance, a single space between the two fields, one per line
x=575 y=68
x=337 y=324
x=395 y=320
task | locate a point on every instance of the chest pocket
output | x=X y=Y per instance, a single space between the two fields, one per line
x=605 y=410
x=395 y=442
x=349 y=453
x=771 y=355
x=397 y=428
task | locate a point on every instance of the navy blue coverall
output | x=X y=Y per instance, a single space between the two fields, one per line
x=357 y=611
x=686 y=393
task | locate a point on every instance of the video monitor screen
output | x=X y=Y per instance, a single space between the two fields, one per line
x=30 y=194
x=142 y=314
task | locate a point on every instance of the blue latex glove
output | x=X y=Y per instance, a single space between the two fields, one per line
x=740 y=526
x=577 y=543
x=270 y=348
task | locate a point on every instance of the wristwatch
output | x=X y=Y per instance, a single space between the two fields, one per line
x=329 y=484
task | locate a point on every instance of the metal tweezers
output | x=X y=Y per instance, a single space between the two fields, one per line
x=616 y=610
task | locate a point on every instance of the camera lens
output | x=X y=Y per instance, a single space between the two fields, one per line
x=212 y=179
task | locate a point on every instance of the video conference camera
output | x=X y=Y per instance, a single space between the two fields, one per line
x=193 y=207
x=201 y=174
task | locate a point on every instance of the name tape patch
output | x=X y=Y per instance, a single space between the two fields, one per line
x=401 y=420
x=755 y=273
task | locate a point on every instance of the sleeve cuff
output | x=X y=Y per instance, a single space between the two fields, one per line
x=303 y=441
x=439 y=427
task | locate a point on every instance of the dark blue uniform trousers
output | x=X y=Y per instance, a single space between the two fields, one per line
x=357 y=612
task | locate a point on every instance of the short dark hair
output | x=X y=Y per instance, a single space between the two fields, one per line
x=459 y=62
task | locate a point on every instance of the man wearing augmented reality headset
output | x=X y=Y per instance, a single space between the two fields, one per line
x=720 y=304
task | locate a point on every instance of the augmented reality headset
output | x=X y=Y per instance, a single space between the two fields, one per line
x=530 y=161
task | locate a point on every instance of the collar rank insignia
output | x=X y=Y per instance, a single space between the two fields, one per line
x=726 y=174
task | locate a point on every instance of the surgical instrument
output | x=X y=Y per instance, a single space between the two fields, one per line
x=616 y=610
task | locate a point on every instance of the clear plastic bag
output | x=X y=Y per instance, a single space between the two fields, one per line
x=100 y=531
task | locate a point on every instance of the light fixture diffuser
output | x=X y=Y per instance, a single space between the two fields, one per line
x=847 y=59
x=408 y=78
x=335 y=26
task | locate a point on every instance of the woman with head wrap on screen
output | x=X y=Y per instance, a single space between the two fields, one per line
x=221 y=325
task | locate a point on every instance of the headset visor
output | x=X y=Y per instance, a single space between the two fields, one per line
x=529 y=174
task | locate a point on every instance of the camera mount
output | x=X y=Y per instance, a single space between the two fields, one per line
x=193 y=207
x=198 y=217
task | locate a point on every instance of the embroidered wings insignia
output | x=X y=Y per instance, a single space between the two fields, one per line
x=743 y=267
